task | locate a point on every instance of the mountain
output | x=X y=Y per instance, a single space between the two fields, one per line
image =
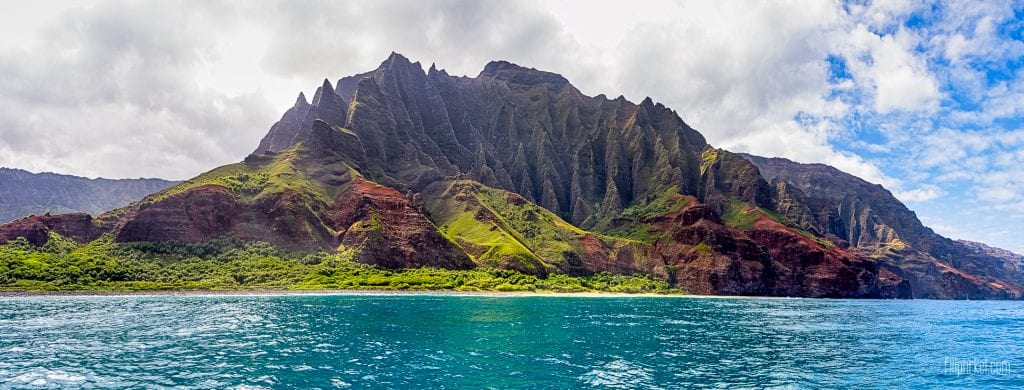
x=516 y=169
x=867 y=219
x=23 y=193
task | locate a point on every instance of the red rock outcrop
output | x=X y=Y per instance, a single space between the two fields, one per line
x=805 y=267
x=210 y=211
x=195 y=215
x=707 y=257
x=387 y=230
x=78 y=226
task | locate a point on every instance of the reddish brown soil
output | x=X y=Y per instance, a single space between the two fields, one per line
x=389 y=231
x=35 y=229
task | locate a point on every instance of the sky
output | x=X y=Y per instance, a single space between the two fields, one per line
x=924 y=98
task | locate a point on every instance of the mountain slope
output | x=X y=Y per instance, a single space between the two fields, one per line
x=23 y=193
x=869 y=220
x=516 y=169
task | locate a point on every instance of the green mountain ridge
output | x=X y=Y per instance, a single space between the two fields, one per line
x=23 y=193
x=516 y=169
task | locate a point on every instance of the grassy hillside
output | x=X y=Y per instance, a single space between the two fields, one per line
x=230 y=264
x=502 y=229
x=259 y=177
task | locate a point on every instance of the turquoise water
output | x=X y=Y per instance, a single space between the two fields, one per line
x=426 y=341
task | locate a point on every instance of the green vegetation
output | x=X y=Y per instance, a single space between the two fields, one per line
x=218 y=176
x=488 y=242
x=707 y=159
x=742 y=215
x=498 y=230
x=230 y=264
x=252 y=180
x=821 y=241
x=245 y=183
x=668 y=202
x=703 y=248
x=634 y=231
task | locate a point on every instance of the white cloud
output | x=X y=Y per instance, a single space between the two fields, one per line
x=922 y=194
x=110 y=90
x=889 y=67
x=956 y=46
x=882 y=14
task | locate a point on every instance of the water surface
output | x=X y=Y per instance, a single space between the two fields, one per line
x=417 y=341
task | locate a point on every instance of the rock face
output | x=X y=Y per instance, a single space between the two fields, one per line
x=390 y=231
x=23 y=193
x=873 y=223
x=513 y=128
x=36 y=229
x=517 y=169
x=196 y=215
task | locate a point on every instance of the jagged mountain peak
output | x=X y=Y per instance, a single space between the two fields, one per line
x=398 y=63
x=397 y=57
x=504 y=70
x=434 y=106
x=325 y=91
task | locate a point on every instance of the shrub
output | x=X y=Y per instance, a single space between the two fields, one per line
x=229 y=263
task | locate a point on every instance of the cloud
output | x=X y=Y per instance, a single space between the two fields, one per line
x=920 y=194
x=124 y=89
x=889 y=67
x=109 y=90
x=328 y=38
x=751 y=77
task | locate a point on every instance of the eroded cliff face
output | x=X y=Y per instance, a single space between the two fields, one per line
x=517 y=129
x=209 y=211
x=871 y=222
x=390 y=231
x=516 y=169
x=37 y=229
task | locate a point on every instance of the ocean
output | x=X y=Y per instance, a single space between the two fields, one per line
x=446 y=341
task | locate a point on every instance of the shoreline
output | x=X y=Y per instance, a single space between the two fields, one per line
x=271 y=292
x=328 y=292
